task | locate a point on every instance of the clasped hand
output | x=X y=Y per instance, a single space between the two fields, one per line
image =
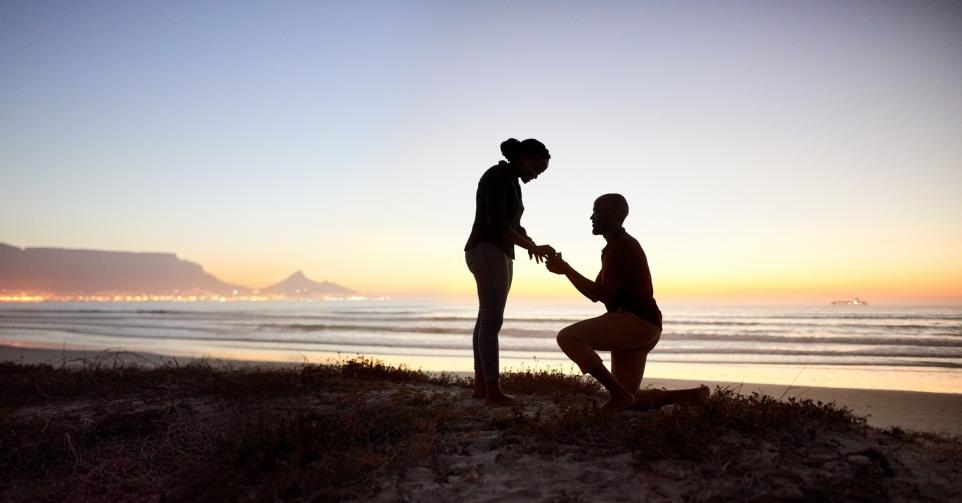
x=556 y=264
x=552 y=259
x=541 y=253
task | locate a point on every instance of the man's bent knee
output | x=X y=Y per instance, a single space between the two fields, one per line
x=577 y=350
x=565 y=336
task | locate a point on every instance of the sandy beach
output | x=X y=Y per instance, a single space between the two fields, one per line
x=103 y=430
x=915 y=411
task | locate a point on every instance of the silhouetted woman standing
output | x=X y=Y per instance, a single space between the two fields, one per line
x=489 y=252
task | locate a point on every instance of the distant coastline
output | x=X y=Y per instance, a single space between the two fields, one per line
x=62 y=274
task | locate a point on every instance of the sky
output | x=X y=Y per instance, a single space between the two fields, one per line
x=769 y=151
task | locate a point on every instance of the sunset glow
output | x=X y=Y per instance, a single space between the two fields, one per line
x=774 y=152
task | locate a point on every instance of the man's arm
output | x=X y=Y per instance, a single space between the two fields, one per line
x=595 y=291
x=584 y=285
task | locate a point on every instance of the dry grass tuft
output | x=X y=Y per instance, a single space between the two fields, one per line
x=549 y=382
x=683 y=432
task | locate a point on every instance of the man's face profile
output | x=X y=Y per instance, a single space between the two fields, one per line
x=597 y=217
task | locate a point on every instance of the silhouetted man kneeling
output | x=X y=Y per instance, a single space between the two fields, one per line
x=632 y=325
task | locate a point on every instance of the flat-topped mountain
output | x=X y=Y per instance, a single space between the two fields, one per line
x=71 y=272
x=299 y=285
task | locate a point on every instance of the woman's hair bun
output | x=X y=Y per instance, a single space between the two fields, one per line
x=513 y=149
x=510 y=149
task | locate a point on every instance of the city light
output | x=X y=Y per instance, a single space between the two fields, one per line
x=199 y=297
x=21 y=298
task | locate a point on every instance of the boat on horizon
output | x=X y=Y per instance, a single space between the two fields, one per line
x=854 y=302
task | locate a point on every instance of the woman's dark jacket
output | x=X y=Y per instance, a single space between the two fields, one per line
x=498 y=206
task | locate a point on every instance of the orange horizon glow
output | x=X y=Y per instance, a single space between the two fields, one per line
x=923 y=287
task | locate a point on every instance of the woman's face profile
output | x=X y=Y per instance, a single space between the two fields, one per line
x=531 y=167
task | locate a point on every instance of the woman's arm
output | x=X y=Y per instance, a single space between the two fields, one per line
x=496 y=192
x=535 y=251
x=512 y=235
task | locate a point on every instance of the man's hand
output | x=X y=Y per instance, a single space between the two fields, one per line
x=541 y=253
x=556 y=265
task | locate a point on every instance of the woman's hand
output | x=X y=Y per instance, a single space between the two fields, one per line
x=541 y=253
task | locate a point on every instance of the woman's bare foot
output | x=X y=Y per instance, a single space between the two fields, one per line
x=618 y=402
x=494 y=397
x=479 y=390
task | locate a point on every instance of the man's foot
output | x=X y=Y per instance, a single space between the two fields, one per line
x=620 y=399
x=648 y=399
x=654 y=398
x=698 y=395
x=618 y=402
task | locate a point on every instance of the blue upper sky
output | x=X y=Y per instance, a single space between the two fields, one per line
x=760 y=140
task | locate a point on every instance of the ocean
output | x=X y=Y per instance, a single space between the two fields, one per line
x=880 y=347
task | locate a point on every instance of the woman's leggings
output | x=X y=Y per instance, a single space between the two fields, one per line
x=492 y=270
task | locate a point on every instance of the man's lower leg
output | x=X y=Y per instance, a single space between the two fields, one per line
x=621 y=398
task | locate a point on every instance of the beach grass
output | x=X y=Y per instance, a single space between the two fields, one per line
x=106 y=430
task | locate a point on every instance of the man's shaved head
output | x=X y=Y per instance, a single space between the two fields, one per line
x=608 y=214
x=614 y=203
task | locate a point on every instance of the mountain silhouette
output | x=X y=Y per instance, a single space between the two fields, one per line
x=299 y=285
x=62 y=271
x=72 y=271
